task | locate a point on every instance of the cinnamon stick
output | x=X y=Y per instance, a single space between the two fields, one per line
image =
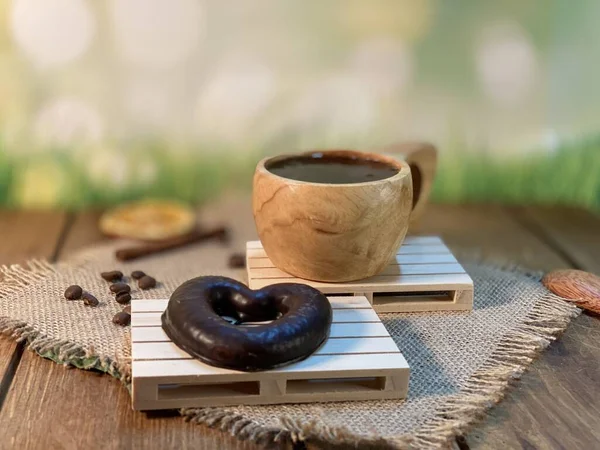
x=131 y=253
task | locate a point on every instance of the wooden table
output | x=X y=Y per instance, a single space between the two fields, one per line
x=555 y=405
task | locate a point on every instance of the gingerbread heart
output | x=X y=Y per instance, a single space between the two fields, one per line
x=299 y=321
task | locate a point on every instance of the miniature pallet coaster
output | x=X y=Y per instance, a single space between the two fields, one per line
x=359 y=361
x=425 y=276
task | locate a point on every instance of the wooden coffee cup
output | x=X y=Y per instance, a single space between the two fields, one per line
x=333 y=232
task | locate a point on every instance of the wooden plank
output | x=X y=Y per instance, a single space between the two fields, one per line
x=25 y=235
x=255 y=263
x=317 y=366
x=384 y=283
x=338 y=330
x=10 y=355
x=556 y=404
x=29 y=234
x=79 y=409
x=168 y=350
x=410 y=240
x=275 y=274
x=84 y=232
x=433 y=249
x=575 y=232
x=152 y=319
x=489 y=231
x=7 y=348
x=552 y=405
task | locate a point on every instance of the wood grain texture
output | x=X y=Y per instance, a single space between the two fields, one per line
x=575 y=232
x=29 y=234
x=84 y=231
x=25 y=235
x=491 y=232
x=422 y=158
x=332 y=232
x=552 y=407
x=10 y=355
x=71 y=409
x=556 y=404
x=7 y=349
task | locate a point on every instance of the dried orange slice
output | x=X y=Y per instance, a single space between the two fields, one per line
x=148 y=220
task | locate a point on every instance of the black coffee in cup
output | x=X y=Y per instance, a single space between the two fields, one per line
x=331 y=169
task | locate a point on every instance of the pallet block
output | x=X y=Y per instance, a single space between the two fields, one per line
x=424 y=276
x=359 y=361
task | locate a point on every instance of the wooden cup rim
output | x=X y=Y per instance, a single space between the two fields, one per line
x=402 y=166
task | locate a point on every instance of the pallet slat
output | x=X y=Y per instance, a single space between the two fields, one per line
x=410 y=240
x=408 y=250
x=317 y=366
x=382 y=283
x=168 y=350
x=405 y=269
x=265 y=262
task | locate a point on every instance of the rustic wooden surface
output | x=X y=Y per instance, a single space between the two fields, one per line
x=555 y=405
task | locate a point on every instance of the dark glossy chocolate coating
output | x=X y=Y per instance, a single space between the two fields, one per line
x=193 y=320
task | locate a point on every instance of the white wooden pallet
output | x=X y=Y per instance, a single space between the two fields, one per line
x=425 y=276
x=359 y=361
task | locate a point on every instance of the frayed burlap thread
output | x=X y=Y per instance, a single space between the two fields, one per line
x=461 y=363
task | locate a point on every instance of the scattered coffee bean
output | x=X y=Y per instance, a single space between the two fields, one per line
x=89 y=299
x=123 y=298
x=113 y=275
x=73 y=292
x=137 y=274
x=237 y=261
x=127 y=309
x=117 y=288
x=146 y=282
x=122 y=318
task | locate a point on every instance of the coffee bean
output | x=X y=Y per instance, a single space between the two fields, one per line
x=122 y=318
x=89 y=299
x=127 y=309
x=73 y=292
x=117 y=288
x=137 y=274
x=123 y=298
x=237 y=261
x=146 y=282
x=113 y=275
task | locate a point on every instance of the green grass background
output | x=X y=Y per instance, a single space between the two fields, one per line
x=569 y=175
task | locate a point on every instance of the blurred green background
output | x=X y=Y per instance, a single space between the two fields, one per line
x=112 y=100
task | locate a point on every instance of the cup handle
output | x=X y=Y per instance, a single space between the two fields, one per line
x=422 y=158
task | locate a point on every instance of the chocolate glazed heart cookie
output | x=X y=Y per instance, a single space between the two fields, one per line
x=194 y=320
